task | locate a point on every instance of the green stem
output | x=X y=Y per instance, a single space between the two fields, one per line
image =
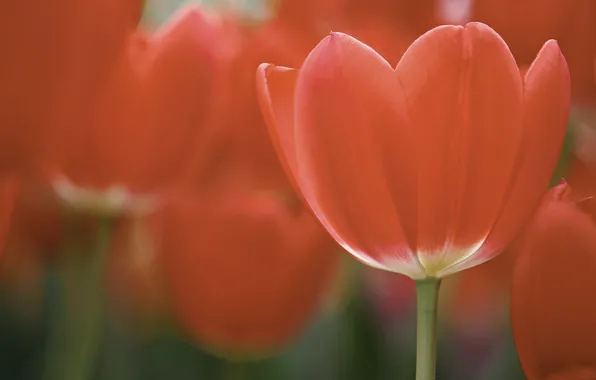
x=427 y=293
x=234 y=370
x=77 y=325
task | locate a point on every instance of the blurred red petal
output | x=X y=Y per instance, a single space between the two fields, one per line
x=553 y=282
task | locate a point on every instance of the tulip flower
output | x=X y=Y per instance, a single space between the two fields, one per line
x=136 y=135
x=552 y=312
x=578 y=43
x=257 y=267
x=426 y=169
x=50 y=51
x=524 y=24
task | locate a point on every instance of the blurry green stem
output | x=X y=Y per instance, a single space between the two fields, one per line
x=234 y=370
x=77 y=325
x=427 y=293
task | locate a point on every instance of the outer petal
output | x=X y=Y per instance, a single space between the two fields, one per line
x=552 y=312
x=275 y=90
x=546 y=112
x=464 y=96
x=355 y=156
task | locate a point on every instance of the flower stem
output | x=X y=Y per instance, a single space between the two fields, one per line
x=234 y=370
x=77 y=324
x=427 y=293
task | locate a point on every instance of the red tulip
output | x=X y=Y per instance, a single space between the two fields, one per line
x=428 y=168
x=579 y=46
x=137 y=134
x=524 y=24
x=552 y=312
x=258 y=263
x=245 y=270
x=51 y=53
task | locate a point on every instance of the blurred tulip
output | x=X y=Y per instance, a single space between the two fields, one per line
x=524 y=24
x=245 y=271
x=552 y=312
x=578 y=43
x=258 y=262
x=427 y=169
x=137 y=133
x=50 y=52
x=527 y=24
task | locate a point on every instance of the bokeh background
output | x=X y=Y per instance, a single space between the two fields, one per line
x=364 y=327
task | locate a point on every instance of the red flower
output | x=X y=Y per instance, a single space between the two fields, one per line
x=579 y=46
x=51 y=53
x=245 y=270
x=552 y=308
x=137 y=133
x=429 y=168
x=524 y=24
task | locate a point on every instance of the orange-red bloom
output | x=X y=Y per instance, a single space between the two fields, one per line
x=552 y=308
x=524 y=24
x=578 y=43
x=49 y=52
x=137 y=132
x=428 y=168
x=245 y=270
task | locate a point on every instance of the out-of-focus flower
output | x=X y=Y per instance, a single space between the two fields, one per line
x=140 y=134
x=578 y=42
x=552 y=312
x=135 y=135
x=258 y=263
x=245 y=270
x=524 y=24
x=427 y=169
x=50 y=50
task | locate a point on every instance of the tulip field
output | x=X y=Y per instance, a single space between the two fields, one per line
x=298 y=190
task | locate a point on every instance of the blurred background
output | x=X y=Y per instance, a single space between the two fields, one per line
x=251 y=287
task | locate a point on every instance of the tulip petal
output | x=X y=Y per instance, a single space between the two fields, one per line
x=546 y=112
x=552 y=314
x=275 y=90
x=179 y=85
x=464 y=98
x=354 y=153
